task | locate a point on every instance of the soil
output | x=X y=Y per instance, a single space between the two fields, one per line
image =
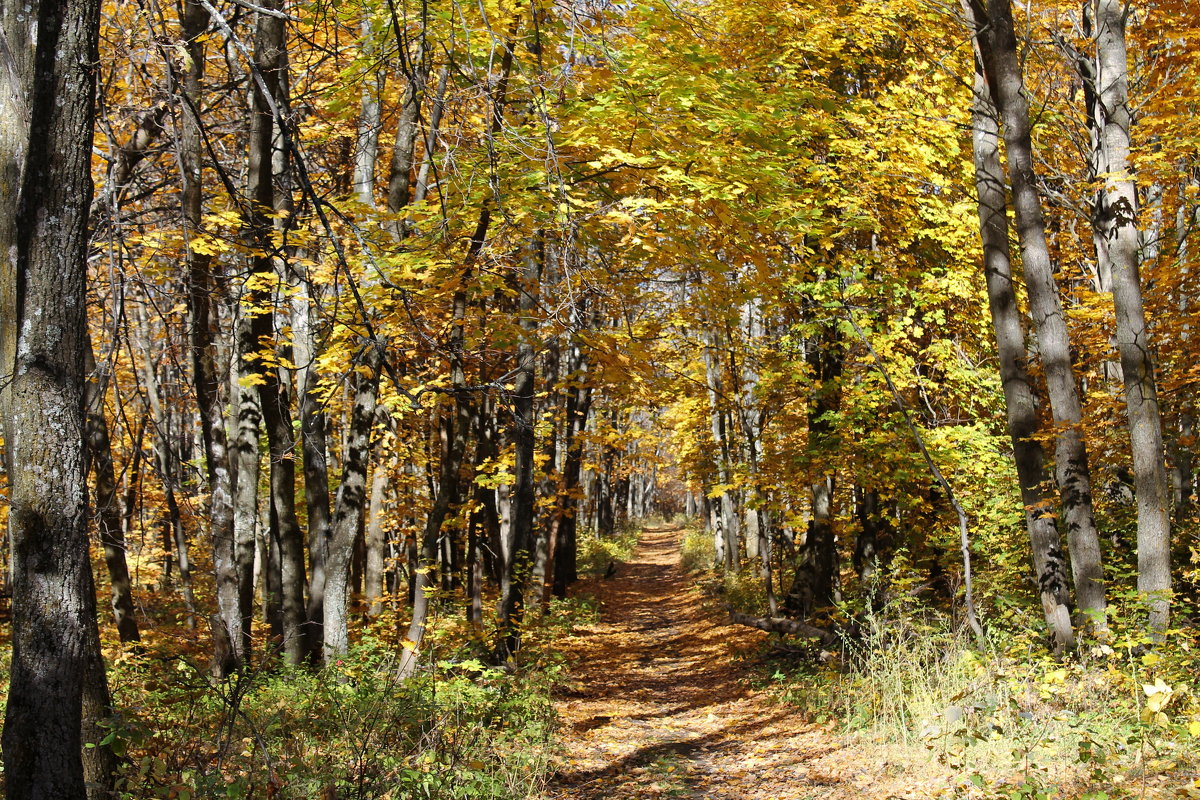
x=662 y=702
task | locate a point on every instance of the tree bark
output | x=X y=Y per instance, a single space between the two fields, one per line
x=518 y=565
x=270 y=58
x=1116 y=228
x=998 y=48
x=814 y=582
x=54 y=604
x=579 y=398
x=1020 y=402
x=201 y=293
x=348 y=511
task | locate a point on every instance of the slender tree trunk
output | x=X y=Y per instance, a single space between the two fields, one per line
x=201 y=292
x=162 y=464
x=579 y=397
x=50 y=50
x=1117 y=245
x=453 y=428
x=247 y=460
x=376 y=537
x=998 y=48
x=518 y=566
x=1020 y=402
x=348 y=511
x=313 y=424
x=728 y=509
x=107 y=505
x=270 y=59
x=366 y=151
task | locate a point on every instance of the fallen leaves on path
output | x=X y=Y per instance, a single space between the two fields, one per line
x=660 y=704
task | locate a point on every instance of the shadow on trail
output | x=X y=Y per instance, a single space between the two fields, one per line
x=660 y=693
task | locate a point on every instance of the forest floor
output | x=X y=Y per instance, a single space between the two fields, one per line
x=661 y=703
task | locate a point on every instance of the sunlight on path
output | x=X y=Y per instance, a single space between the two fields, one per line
x=660 y=703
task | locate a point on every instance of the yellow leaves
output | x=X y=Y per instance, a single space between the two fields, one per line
x=1158 y=697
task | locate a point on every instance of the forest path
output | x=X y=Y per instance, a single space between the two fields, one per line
x=660 y=703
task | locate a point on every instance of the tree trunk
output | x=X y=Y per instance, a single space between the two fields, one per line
x=270 y=61
x=54 y=603
x=1020 y=402
x=107 y=505
x=376 y=537
x=579 y=398
x=815 y=580
x=313 y=423
x=1116 y=227
x=348 y=509
x=247 y=460
x=728 y=509
x=366 y=151
x=162 y=465
x=518 y=566
x=998 y=48
x=201 y=292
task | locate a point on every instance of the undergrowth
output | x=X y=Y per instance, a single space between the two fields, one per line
x=460 y=730
x=597 y=555
x=1009 y=721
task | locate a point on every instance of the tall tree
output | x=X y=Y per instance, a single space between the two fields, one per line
x=997 y=41
x=1116 y=236
x=54 y=605
x=1020 y=402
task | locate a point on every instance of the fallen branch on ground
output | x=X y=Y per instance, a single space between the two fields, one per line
x=784 y=625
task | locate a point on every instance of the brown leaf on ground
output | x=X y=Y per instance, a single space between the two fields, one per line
x=660 y=704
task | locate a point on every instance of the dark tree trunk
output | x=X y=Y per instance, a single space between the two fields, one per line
x=54 y=633
x=518 y=566
x=815 y=579
x=566 y=546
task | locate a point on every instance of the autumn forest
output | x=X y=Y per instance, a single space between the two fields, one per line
x=531 y=399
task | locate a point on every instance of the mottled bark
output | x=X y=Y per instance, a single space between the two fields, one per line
x=270 y=60
x=313 y=438
x=247 y=462
x=348 y=509
x=54 y=604
x=366 y=150
x=202 y=290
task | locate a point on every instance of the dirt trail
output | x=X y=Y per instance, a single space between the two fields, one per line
x=660 y=704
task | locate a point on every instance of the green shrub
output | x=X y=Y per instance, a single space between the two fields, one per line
x=596 y=553
x=698 y=552
x=459 y=731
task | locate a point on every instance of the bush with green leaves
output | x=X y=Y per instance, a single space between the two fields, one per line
x=461 y=730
